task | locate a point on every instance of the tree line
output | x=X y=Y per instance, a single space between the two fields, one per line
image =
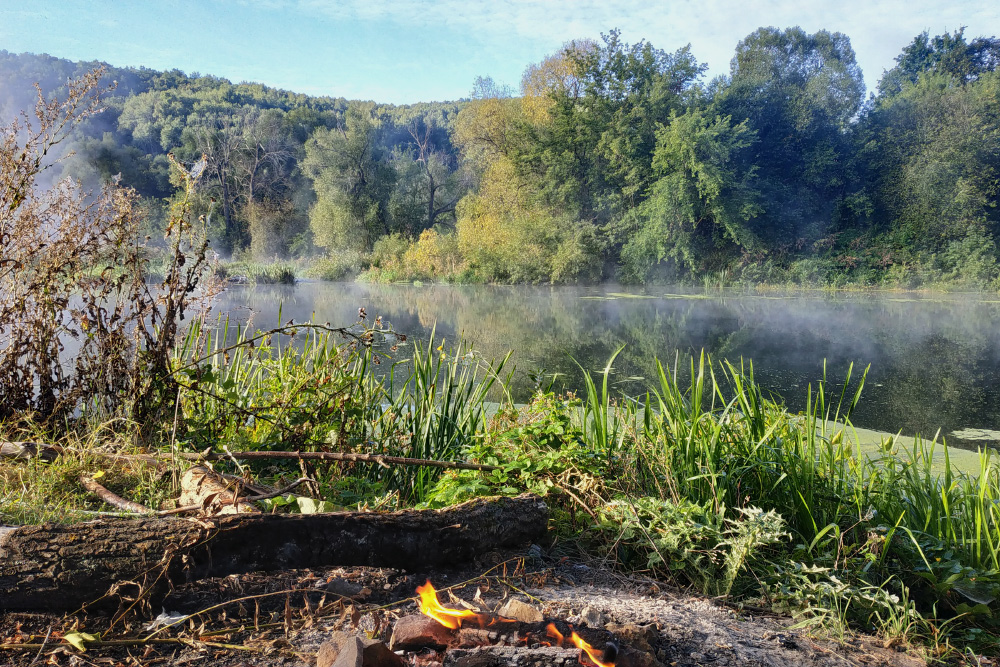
x=612 y=161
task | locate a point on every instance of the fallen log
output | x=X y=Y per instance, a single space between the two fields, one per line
x=56 y=567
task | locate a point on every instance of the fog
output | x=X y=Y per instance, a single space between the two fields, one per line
x=934 y=362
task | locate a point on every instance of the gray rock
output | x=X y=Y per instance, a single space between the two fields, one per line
x=520 y=611
x=591 y=618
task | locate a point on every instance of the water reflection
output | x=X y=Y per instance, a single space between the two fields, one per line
x=934 y=362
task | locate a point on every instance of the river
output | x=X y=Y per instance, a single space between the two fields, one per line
x=934 y=359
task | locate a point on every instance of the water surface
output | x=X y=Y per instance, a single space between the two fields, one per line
x=935 y=360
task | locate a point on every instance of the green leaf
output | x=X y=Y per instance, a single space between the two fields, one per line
x=312 y=506
x=79 y=639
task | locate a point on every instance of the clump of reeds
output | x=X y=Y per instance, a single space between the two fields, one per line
x=257 y=273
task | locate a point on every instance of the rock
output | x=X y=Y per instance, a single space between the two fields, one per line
x=418 y=631
x=330 y=649
x=630 y=657
x=520 y=611
x=346 y=650
x=591 y=618
x=352 y=654
x=377 y=654
x=641 y=637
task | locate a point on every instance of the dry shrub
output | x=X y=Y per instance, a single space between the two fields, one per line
x=80 y=329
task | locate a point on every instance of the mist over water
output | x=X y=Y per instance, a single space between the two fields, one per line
x=935 y=361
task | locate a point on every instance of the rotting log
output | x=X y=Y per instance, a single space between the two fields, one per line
x=56 y=567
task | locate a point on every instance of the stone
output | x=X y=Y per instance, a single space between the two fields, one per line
x=520 y=611
x=340 y=587
x=641 y=637
x=472 y=637
x=630 y=657
x=418 y=631
x=352 y=654
x=330 y=649
x=377 y=654
x=346 y=650
x=591 y=618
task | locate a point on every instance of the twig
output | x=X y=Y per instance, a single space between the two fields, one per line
x=581 y=503
x=112 y=499
x=41 y=648
x=236 y=501
x=136 y=641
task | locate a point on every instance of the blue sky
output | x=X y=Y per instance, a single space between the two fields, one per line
x=417 y=50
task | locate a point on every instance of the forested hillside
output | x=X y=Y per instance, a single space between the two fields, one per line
x=613 y=161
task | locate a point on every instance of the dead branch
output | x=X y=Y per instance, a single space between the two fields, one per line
x=353 y=457
x=111 y=498
x=27 y=450
x=61 y=567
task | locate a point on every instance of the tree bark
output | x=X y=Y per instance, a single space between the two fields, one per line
x=58 y=567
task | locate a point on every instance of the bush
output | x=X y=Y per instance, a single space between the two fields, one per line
x=433 y=255
x=388 y=251
x=338 y=265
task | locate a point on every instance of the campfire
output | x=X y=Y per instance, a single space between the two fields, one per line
x=467 y=635
x=453 y=618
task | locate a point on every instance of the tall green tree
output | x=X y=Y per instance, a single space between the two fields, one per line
x=947 y=53
x=593 y=155
x=701 y=200
x=933 y=156
x=799 y=93
x=353 y=180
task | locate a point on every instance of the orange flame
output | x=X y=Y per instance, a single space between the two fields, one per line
x=552 y=631
x=591 y=652
x=429 y=605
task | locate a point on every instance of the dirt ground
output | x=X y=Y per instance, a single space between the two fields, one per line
x=281 y=619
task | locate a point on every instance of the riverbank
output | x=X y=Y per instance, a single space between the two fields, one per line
x=715 y=488
x=367 y=268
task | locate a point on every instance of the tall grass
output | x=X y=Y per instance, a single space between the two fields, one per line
x=299 y=388
x=435 y=407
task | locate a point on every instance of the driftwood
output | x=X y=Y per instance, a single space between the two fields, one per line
x=380 y=459
x=63 y=567
x=213 y=505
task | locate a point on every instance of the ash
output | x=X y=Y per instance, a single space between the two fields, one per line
x=285 y=618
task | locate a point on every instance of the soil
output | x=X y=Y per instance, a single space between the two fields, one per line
x=280 y=619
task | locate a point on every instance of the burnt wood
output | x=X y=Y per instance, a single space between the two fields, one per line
x=55 y=567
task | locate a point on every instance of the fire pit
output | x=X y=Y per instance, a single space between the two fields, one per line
x=472 y=637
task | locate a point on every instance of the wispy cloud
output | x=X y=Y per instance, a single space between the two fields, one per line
x=878 y=28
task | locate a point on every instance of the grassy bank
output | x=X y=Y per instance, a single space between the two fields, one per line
x=713 y=488
x=401 y=261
